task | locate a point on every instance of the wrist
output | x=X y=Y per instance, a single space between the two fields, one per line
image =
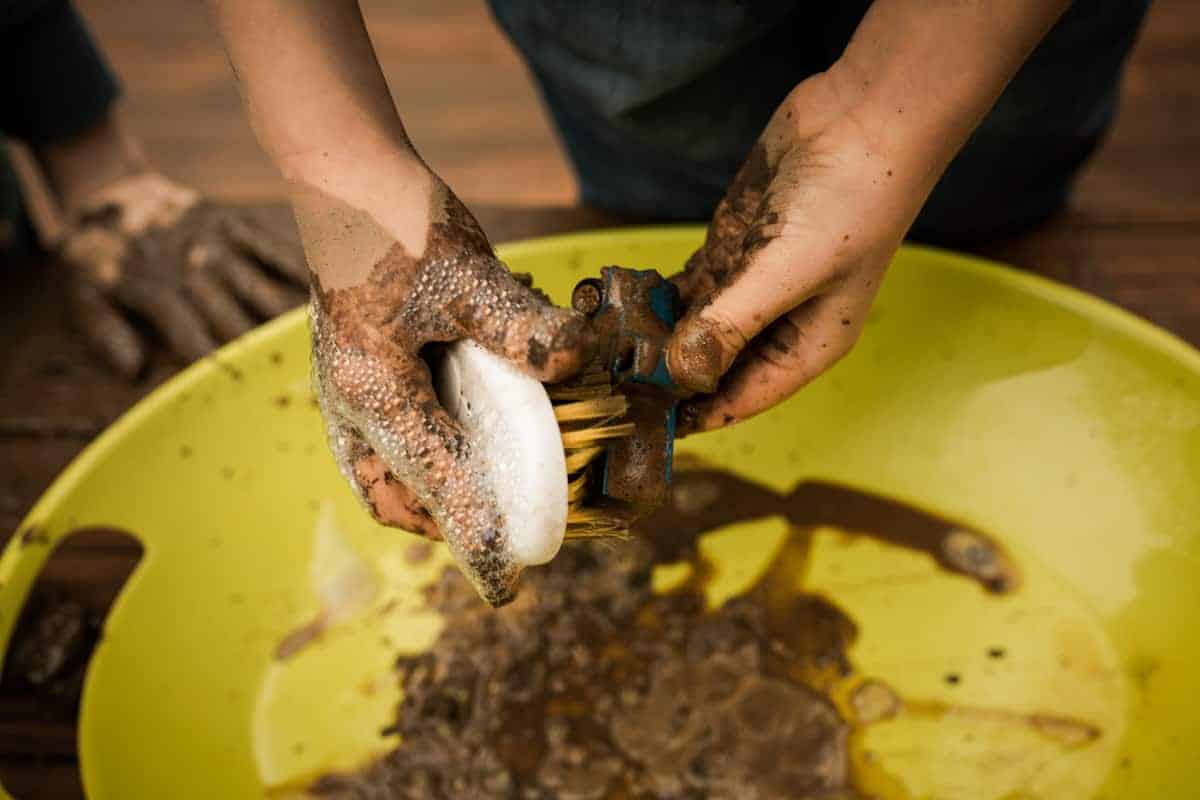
x=77 y=168
x=369 y=178
x=922 y=74
x=352 y=209
x=834 y=120
x=915 y=138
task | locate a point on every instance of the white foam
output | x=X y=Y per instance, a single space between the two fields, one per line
x=516 y=444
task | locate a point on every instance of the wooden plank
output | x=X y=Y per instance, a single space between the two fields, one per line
x=1132 y=236
x=479 y=109
x=1152 y=270
x=27 y=467
x=41 y=778
x=38 y=720
x=1148 y=168
x=44 y=365
x=27 y=734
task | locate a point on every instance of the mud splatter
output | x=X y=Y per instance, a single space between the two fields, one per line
x=592 y=685
x=33 y=535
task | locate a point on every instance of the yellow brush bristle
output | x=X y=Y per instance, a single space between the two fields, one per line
x=588 y=414
x=577 y=488
x=592 y=523
x=587 y=387
x=588 y=437
x=600 y=408
x=578 y=459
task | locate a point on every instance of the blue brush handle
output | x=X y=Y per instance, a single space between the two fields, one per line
x=638 y=354
x=664 y=302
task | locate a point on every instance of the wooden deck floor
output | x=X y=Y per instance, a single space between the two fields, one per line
x=1132 y=234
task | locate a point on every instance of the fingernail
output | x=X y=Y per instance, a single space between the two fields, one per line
x=697 y=357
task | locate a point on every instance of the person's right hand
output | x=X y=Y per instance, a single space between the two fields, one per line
x=409 y=460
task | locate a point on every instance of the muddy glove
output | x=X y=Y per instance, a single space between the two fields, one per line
x=199 y=274
x=409 y=460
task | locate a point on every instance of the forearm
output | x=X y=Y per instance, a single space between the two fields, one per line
x=59 y=98
x=310 y=80
x=321 y=109
x=96 y=157
x=921 y=74
x=798 y=246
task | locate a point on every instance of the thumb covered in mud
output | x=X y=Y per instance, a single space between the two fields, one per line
x=701 y=349
x=714 y=331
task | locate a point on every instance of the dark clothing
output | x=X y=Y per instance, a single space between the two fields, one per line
x=54 y=84
x=658 y=101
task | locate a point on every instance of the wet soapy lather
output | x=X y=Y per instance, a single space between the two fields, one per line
x=378 y=399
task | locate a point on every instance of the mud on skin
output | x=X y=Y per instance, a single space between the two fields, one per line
x=708 y=353
x=593 y=686
x=734 y=231
x=376 y=391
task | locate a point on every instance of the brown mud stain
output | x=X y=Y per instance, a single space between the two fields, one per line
x=706 y=499
x=300 y=638
x=229 y=369
x=33 y=535
x=418 y=552
x=593 y=685
x=1062 y=730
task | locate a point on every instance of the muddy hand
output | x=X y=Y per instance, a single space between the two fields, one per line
x=409 y=460
x=150 y=248
x=794 y=254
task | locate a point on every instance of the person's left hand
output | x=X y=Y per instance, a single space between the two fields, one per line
x=200 y=274
x=782 y=286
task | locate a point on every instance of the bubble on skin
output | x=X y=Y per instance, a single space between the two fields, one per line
x=416 y=450
x=375 y=392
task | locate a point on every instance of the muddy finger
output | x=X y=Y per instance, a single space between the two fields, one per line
x=390 y=501
x=213 y=300
x=514 y=321
x=787 y=356
x=180 y=325
x=246 y=280
x=426 y=451
x=713 y=332
x=107 y=331
x=273 y=250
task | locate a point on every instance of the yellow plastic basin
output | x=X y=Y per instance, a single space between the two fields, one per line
x=1067 y=428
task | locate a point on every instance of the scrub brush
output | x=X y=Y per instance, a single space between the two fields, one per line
x=590 y=414
x=584 y=458
x=536 y=454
